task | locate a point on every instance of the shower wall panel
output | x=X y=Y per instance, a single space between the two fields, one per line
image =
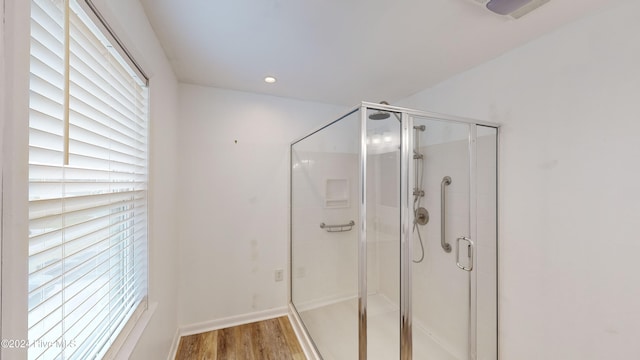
x=437 y=291
x=325 y=268
x=325 y=183
x=383 y=223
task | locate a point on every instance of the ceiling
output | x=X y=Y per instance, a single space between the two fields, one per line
x=341 y=51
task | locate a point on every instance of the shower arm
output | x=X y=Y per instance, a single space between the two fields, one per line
x=446 y=181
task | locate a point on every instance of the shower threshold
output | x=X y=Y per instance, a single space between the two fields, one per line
x=331 y=331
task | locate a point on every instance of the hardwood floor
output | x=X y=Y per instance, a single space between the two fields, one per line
x=271 y=339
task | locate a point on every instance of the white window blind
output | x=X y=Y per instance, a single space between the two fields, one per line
x=87 y=186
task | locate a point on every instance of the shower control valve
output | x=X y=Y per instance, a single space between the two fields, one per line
x=422 y=216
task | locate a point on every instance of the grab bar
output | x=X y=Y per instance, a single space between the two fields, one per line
x=446 y=181
x=340 y=227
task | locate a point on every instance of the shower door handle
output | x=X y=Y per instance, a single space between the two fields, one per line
x=469 y=251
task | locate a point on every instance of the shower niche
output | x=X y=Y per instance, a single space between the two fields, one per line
x=336 y=193
x=412 y=271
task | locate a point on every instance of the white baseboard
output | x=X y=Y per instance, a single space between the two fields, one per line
x=173 y=351
x=303 y=338
x=235 y=320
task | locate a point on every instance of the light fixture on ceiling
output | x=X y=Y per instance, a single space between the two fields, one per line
x=512 y=8
x=270 y=79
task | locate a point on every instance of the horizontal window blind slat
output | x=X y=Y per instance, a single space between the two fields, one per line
x=46 y=78
x=48 y=14
x=46 y=105
x=90 y=324
x=118 y=145
x=108 y=278
x=83 y=101
x=45 y=257
x=86 y=91
x=43 y=124
x=136 y=141
x=81 y=160
x=102 y=109
x=48 y=320
x=47 y=56
x=122 y=293
x=94 y=259
x=73 y=205
x=102 y=54
x=105 y=256
x=52 y=173
x=45 y=156
x=88 y=49
x=76 y=264
x=84 y=69
x=107 y=265
x=100 y=113
x=103 y=63
x=98 y=151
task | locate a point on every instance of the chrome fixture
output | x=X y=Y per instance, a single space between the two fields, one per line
x=382 y=115
x=470 y=246
x=420 y=214
x=446 y=181
x=512 y=8
x=339 y=227
x=418 y=193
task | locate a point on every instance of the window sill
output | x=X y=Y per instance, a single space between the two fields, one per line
x=129 y=344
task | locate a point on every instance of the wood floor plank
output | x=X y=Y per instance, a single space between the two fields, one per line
x=259 y=346
x=227 y=345
x=191 y=347
x=277 y=344
x=271 y=339
x=244 y=345
x=292 y=340
x=209 y=345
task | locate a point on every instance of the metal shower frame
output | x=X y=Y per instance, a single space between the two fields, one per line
x=406 y=223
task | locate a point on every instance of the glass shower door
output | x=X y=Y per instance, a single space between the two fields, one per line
x=440 y=243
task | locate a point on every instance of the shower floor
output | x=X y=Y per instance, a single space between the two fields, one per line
x=335 y=332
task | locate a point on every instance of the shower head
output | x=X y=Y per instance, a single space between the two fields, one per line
x=380 y=115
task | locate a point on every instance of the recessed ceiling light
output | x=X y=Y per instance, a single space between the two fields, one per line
x=270 y=79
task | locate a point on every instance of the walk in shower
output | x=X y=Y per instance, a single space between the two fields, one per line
x=393 y=237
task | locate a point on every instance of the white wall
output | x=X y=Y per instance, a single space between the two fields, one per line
x=233 y=198
x=569 y=175
x=128 y=20
x=2 y=117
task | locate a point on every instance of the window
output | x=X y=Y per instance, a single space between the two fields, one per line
x=87 y=184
